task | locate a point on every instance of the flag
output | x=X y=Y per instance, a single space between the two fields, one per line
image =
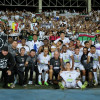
x=14 y=26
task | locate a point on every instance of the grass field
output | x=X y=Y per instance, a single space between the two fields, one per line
x=41 y=87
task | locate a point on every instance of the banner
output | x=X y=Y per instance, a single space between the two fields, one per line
x=86 y=37
x=3 y=39
x=47 y=25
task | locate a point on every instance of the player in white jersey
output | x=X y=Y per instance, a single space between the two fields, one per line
x=71 y=78
x=96 y=61
x=97 y=45
x=77 y=62
x=66 y=56
x=43 y=62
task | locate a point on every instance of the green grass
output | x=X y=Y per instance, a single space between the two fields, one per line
x=38 y=86
x=32 y=86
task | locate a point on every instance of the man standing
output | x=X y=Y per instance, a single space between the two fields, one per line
x=13 y=48
x=34 y=44
x=66 y=56
x=96 y=61
x=23 y=44
x=63 y=38
x=43 y=62
x=77 y=62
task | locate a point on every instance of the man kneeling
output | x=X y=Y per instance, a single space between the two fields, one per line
x=71 y=78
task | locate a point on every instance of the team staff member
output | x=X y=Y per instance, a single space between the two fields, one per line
x=13 y=48
x=31 y=64
x=14 y=51
x=20 y=65
x=6 y=66
x=55 y=67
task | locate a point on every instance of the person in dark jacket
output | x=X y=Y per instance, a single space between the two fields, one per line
x=20 y=65
x=6 y=66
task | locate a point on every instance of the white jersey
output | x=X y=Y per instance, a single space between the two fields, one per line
x=95 y=56
x=97 y=46
x=19 y=46
x=32 y=43
x=70 y=76
x=66 y=56
x=42 y=59
x=77 y=58
x=66 y=40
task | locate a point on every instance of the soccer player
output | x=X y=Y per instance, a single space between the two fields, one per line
x=70 y=78
x=77 y=62
x=96 y=61
x=46 y=45
x=66 y=56
x=97 y=45
x=43 y=62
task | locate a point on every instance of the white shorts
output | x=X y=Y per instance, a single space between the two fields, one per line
x=79 y=65
x=42 y=67
x=96 y=65
x=69 y=84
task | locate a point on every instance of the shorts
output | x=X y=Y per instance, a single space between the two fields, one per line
x=79 y=65
x=96 y=65
x=42 y=67
x=56 y=72
x=70 y=84
x=89 y=67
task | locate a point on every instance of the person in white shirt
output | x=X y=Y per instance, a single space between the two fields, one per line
x=66 y=56
x=96 y=61
x=23 y=44
x=63 y=38
x=71 y=78
x=53 y=49
x=97 y=45
x=77 y=62
x=43 y=62
x=34 y=44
